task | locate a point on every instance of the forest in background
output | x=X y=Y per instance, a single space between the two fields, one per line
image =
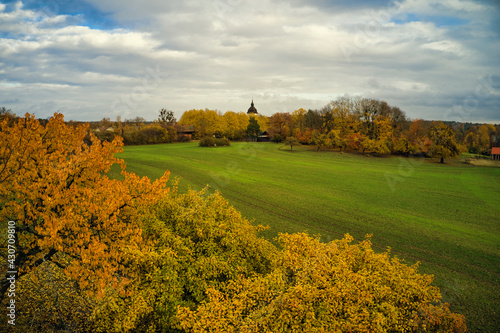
x=347 y=123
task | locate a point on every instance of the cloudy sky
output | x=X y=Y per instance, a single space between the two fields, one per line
x=435 y=59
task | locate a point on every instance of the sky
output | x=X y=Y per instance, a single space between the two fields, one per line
x=434 y=59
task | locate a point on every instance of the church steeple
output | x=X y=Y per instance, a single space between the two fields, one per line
x=252 y=109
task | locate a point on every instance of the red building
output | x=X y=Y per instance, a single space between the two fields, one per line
x=495 y=153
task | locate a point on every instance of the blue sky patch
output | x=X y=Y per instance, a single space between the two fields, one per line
x=89 y=15
x=439 y=21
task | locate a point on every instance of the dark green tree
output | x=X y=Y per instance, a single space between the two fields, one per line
x=253 y=129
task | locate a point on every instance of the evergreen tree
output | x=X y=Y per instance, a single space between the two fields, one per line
x=253 y=129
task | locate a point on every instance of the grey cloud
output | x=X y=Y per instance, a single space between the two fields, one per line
x=221 y=54
x=344 y=5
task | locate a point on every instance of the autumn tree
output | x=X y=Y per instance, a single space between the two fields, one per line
x=235 y=125
x=487 y=134
x=149 y=134
x=280 y=124
x=263 y=122
x=207 y=122
x=342 y=117
x=383 y=135
x=137 y=121
x=68 y=213
x=326 y=287
x=418 y=136
x=377 y=121
x=336 y=140
x=480 y=138
x=105 y=123
x=396 y=117
x=7 y=114
x=444 y=144
x=303 y=137
x=231 y=125
x=291 y=141
x=51 y=301
x=319 y=139
x=404 y=146
x=354 y=141
x=299 y=119
x=191 y=242
x=471 y=141
x=369 y=110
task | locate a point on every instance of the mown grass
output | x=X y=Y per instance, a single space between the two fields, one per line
x=444 y=216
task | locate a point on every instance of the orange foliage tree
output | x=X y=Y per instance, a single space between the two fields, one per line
x=280 y=124
x=67 y=211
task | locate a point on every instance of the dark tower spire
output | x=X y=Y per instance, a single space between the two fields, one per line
x=252 y=108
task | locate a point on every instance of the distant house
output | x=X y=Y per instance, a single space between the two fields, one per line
x=495 y=153
x=186 y=131
x=264 y=137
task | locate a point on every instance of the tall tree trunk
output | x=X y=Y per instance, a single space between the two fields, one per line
x=442 y=159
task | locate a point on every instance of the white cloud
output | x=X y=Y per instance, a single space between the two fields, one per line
x=445 y=46
x=220 y=54
x=439 y=7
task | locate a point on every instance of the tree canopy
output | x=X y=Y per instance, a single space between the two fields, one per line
x=333 y=287
x=67 y=211
x=444 y=144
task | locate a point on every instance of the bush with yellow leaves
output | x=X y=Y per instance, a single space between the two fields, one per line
x=334 y=287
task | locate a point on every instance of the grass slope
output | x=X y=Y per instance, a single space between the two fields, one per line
x=445 y=216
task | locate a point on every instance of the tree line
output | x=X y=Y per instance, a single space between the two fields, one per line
x=347 y=123
x=351 y=123
x=138 y=131
x=95 y=254
x=135 y=131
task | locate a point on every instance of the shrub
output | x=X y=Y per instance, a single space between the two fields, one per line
x=148 y=134
x=214 y=142
x=105 y=135
x=183 y=138
x=277 y=138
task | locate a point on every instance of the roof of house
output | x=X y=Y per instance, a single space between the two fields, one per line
x=495 y=151
x=186 y=129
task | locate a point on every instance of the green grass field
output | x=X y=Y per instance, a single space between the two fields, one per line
x=447 y=217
